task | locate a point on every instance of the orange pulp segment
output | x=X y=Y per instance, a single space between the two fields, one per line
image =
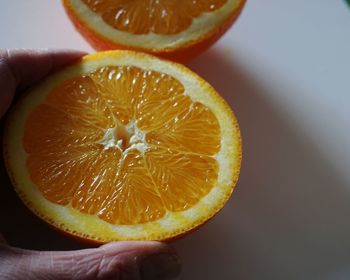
x=74 y=156
x=149 y=16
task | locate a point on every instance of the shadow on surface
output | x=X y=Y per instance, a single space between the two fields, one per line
x=288 y=217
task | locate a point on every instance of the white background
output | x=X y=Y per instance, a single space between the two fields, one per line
x=285 y=70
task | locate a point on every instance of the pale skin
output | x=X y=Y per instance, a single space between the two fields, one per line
x=20 y=69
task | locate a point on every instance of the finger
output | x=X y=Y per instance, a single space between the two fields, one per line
x=119 y=261
x=20 y=68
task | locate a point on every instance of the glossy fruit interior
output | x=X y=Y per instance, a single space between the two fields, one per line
x=152 y=16
x=124 y=144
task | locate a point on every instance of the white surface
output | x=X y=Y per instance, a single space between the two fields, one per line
x=284 y=68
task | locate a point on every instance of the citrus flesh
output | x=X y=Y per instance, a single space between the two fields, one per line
x=178 y=30
x=149 y=16
x=123 y=146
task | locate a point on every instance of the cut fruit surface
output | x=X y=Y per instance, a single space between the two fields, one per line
x=123 y=146
x=177 y=30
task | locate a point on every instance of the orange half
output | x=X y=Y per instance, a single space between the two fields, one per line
x=123 y=146
x=177 y=30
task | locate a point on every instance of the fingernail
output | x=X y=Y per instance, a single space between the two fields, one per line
x=160 y=266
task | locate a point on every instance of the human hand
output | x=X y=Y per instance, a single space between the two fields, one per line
x=20 y=69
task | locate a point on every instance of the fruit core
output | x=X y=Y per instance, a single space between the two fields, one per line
x=124 y=138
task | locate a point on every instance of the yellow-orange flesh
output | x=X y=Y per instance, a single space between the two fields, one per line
x=152 y=16
x=122 y=143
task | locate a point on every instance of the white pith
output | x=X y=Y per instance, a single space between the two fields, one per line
x=137 y=139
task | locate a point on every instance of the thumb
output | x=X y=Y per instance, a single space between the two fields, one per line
x=119 y=261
